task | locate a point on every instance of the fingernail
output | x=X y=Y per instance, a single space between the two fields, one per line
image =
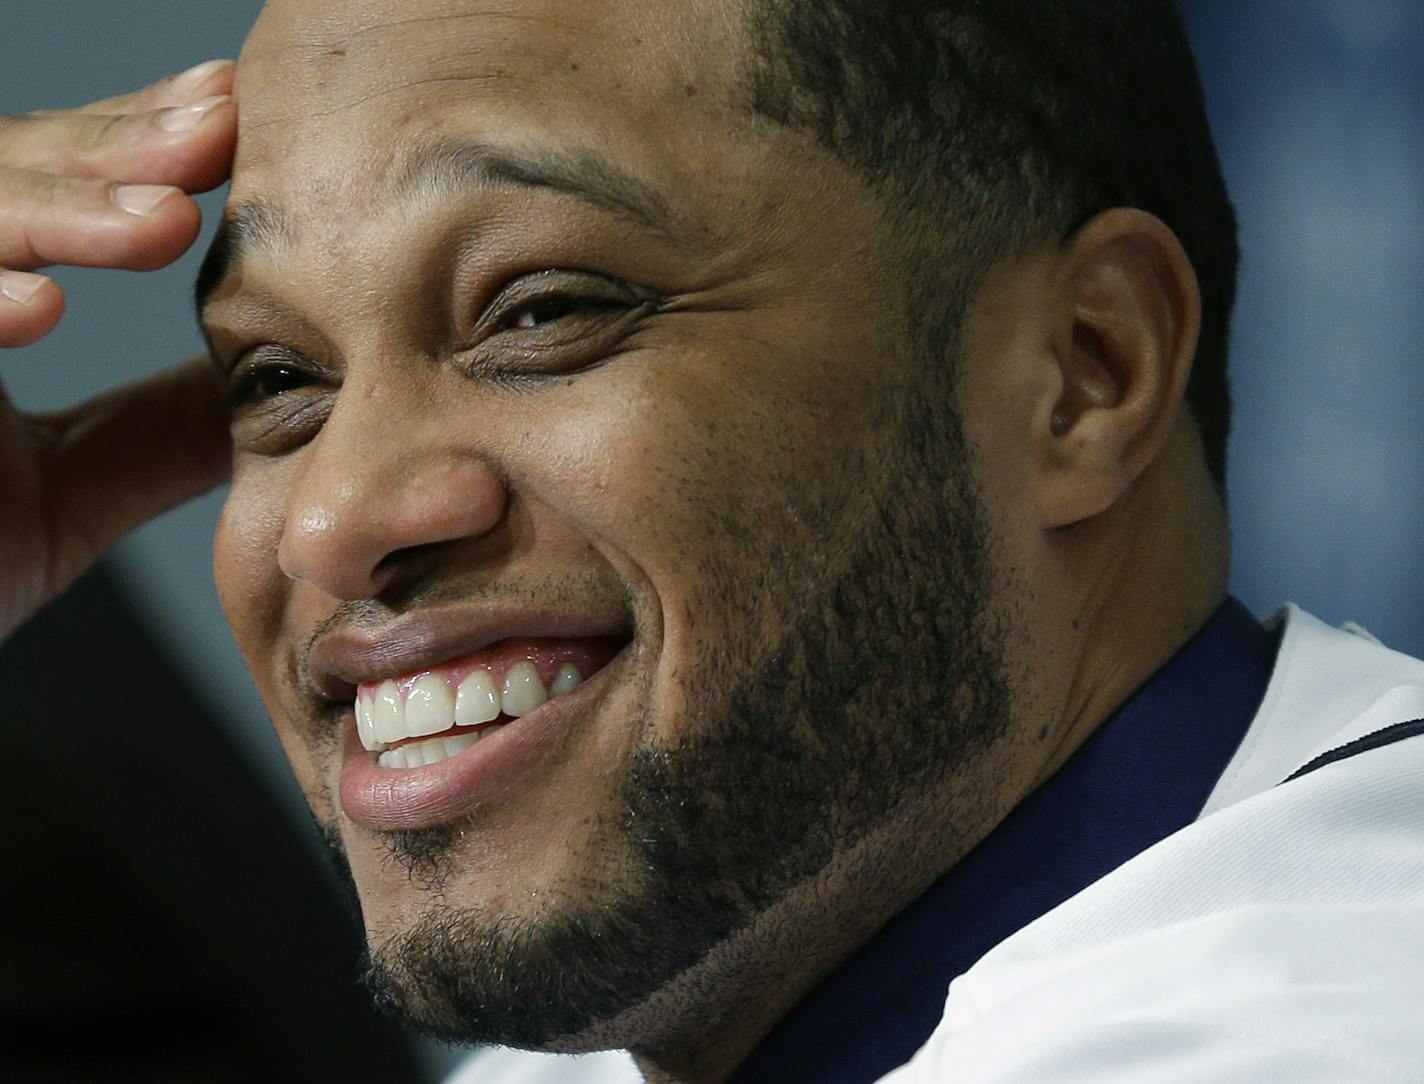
x=184 y=118
x=190 y=80
x=141 y=199
x=20 y=286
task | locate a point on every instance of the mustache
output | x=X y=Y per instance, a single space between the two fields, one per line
x=584 y=592
x=577 y=590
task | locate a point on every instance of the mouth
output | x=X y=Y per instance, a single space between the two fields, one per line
x=417 y=720
x=430 y=746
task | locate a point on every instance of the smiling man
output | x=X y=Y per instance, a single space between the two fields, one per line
x=725 y=516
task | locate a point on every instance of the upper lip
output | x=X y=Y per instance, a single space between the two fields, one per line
x=343 y=657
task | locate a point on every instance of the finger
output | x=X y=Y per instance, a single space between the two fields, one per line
x=206 y=79
x=129 y=455
x=65 y=220
x=30 y=306
x=189 y=146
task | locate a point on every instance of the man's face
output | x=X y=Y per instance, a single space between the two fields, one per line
x=544 y=352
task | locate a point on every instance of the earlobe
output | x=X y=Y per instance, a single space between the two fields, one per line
x=1123 y=346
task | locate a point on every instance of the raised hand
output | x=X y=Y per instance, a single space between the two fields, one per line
x=103 y=186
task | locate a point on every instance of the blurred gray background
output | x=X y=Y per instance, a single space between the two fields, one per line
x=120 y=325
x=1318 y=107
x=1319 y=114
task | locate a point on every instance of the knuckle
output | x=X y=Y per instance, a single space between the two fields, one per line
x=96 y=133
x=49 y=192
x=11 y=124
x=56 y=141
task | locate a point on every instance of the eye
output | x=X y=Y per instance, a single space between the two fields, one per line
x=552 y=309
x=555 y=322
x=261 y=382
x=278 y=400
x=557 y=303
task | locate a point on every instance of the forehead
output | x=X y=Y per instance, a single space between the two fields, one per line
x=333 y=93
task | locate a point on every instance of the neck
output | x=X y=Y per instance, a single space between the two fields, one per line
x=1158 y=565
x=731 y=1002
x=1155 y=569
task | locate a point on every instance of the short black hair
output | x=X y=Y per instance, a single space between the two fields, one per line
x=1015 y=120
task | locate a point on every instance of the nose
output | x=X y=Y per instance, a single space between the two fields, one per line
x=376 y=484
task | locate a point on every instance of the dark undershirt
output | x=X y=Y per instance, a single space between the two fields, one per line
x=1144 y=774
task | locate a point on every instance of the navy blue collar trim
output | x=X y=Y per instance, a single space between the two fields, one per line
x=1144 y=774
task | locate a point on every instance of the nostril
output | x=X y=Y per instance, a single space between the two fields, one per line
x=404 y=556
x=341 y=556
x=363 y=510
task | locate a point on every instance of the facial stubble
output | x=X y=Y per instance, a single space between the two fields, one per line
x=888 y=677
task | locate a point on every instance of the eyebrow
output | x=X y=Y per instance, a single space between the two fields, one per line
x=445 y=170
x=245 y=228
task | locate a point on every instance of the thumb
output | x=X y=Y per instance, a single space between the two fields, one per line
x=118 y=460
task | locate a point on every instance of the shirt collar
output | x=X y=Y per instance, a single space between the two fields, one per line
x=1144 y=774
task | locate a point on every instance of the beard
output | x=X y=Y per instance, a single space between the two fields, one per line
x=883 y=677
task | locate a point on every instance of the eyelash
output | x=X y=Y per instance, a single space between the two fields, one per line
x=247 y=387
x=566 y=291
x=571 y=301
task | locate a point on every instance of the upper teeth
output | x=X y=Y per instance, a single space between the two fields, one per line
x=429 y=706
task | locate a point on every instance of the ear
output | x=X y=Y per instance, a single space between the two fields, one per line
x=1124 y=335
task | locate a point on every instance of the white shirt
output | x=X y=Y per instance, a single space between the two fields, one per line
x=1279 y=938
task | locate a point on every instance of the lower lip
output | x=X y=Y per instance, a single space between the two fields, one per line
x=504 y=763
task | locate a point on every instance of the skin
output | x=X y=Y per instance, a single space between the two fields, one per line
x=77 y=480
x=755 y=391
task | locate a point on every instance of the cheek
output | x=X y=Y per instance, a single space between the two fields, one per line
x=693 y=472
x=255 y=597
x=250 y=585
x=651 y=460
